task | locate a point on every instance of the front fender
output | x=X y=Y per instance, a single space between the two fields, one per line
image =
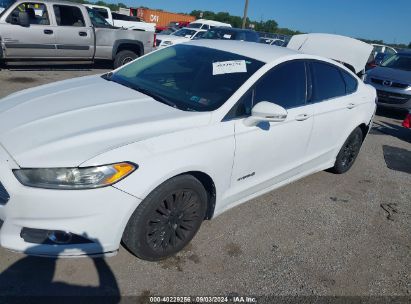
x=122 y=42
x=209 y=150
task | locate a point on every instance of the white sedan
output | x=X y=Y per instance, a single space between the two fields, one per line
x=180 y=36
x=146 y=153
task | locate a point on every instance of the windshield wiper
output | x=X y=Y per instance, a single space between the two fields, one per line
x=156 y=96
x=107 y=76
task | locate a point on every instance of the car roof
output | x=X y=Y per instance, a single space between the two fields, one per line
x=193 y=29
x=232 y=29
x=62 y=2
x=207 y=21
x=93 y=5
x=258 y=51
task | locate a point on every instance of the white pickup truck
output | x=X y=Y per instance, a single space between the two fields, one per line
x=47 y=30
x=124 y=21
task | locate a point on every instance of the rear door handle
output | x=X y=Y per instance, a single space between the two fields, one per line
x=351 y=105
x=302 y=117
x=82 y=34
x=48 y=32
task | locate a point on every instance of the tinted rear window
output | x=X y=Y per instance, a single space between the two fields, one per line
x=229 y=34
x=350 y=82
x=327 y=81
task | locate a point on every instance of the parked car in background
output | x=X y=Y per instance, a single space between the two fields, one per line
x=205 y=24
x=385 y=49
x=120 y=20
x=179 y=24
x=148 y=152
x=381 y=57
x=168 y=31
x=228 y=33
x=180 y=36
x=392 y=79
x=272 y=41
x=65 y=31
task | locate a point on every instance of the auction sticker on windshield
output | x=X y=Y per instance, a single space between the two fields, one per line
x=229 y=67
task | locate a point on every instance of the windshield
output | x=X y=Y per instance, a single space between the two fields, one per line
x=266 y=40
x=96 y=19
x=399 y=62
x=185 y=33
x=190 y=78
x=195 y=25
x=5 y=4
x=168 y=31
x=223 y=34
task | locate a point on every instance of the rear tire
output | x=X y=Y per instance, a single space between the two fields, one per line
x=124 y=57
x=167 y=220
x=349 y=152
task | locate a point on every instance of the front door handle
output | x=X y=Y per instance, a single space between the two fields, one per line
x=82 y=34
x=351 y=106
x=48 y=32
x=302 y=117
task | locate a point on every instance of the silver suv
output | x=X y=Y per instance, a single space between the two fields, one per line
x=393 y=81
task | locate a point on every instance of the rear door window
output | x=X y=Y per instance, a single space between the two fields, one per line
x=351 y=83
x=103 y=12
x=284 y=85
x=68 y=16
x=327 y=81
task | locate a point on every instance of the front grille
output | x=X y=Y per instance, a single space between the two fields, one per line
x=158 y=42
x=393 y=98
x=393 y=83
x=4 y=196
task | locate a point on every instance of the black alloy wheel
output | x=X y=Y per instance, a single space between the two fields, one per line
x=349 y=152
x=167 y=220
x=174 y=220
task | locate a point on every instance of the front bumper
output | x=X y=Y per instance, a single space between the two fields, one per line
x=392 y=97
x=98 y=215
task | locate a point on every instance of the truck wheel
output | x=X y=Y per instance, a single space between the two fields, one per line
x=167 y=219
x=124 y=57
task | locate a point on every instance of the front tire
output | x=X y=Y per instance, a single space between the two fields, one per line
x=349 y=152
x=124 y=57
x=167 y=220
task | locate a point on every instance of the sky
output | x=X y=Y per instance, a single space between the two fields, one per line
x=371 y=19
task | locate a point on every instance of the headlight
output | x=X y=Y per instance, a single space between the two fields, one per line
x=167 y=43
x=75 y=178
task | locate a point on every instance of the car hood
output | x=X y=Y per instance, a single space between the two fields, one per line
x=390 y=74
x=66 y=123
x=341 y=48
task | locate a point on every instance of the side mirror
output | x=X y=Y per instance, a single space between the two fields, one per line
x=265 y=112
x=24 y=19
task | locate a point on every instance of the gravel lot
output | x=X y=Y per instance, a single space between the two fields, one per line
x=335 y=235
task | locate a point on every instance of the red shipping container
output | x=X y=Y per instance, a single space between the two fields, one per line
x=160 y=18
